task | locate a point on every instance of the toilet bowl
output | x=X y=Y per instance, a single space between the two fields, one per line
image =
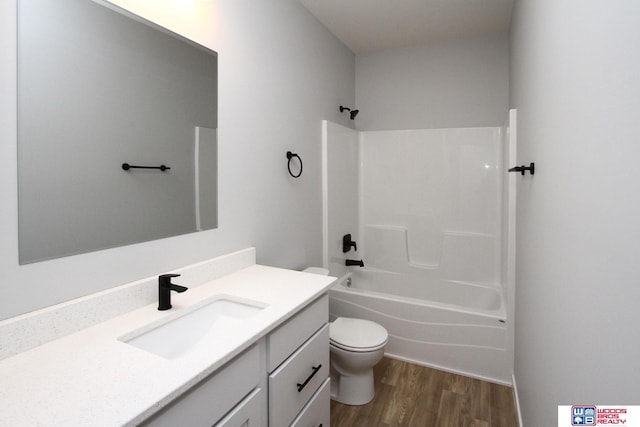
x=355 y=346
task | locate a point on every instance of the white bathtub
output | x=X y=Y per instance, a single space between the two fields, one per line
x=453 y=326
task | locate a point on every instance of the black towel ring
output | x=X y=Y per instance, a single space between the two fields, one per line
x=290 y=156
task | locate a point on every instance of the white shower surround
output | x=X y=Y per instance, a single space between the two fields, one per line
x=426 y=209
x=431 y=203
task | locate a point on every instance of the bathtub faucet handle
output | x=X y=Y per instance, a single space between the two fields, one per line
x=347 y=243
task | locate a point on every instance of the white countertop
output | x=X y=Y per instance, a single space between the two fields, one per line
x=90 y=378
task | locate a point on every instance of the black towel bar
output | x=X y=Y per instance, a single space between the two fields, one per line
x=127 y=166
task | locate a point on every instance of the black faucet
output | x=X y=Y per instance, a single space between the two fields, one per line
x=359 y=263
x=164 y=290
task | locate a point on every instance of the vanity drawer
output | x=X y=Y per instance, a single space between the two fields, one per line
x=297 y=379
x=213 y=397
x=288 y=337
x=317 y=412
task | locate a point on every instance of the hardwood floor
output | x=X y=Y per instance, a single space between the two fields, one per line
x=416 y=396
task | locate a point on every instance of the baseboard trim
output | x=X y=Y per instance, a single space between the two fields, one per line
x=516 y=400
x=446 y=369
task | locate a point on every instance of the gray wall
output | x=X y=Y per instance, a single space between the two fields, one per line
x=574 y=72
x=280 y=74
x=457 y=83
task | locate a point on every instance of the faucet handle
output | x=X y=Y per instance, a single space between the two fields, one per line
x=347 y=243
x=165 y=279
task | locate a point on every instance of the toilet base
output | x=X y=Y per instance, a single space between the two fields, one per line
x=352 y=390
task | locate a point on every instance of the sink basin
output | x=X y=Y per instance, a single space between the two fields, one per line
x=179 y=335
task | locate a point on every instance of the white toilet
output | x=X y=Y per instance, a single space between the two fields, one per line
x=356 y=345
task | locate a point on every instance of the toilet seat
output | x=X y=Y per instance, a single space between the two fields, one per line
x=357 y=349
x=357 y=335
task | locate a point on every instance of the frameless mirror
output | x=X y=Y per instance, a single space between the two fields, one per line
x=98 y=88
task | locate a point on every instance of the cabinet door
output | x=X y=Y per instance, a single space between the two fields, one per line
x=317 y=412
x=297 y=379
x=251 y=412
x=207 y=402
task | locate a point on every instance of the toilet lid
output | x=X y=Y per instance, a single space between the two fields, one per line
x=316 y=270
x=357 y=333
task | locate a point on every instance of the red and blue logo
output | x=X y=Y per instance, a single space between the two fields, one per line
x=583 y=415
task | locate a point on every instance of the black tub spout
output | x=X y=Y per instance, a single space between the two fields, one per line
x=354 y=262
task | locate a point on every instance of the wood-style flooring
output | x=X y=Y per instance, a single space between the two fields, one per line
x=416 y=396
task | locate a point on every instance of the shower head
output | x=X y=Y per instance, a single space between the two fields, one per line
x=352 y=113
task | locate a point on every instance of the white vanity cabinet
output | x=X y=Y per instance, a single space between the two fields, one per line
x=235 y=390
x=298 y=366
x=280 y=381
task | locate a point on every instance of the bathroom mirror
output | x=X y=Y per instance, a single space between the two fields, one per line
x=99 y=87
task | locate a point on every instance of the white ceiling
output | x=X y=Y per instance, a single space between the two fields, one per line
x=369 y=25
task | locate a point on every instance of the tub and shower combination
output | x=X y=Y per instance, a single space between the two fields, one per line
x=429 y=212
x=445 y=330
